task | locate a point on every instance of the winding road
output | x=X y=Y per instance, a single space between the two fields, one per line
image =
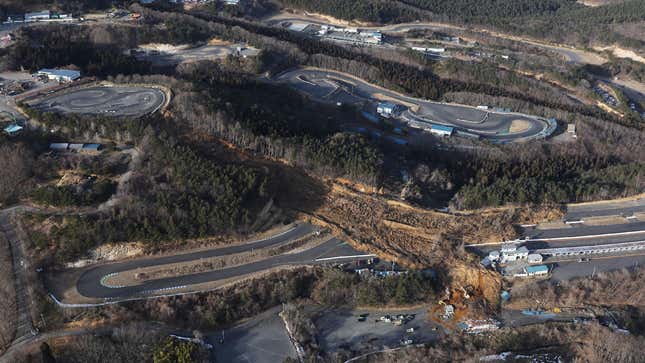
x=91 y=283
x=333 y=86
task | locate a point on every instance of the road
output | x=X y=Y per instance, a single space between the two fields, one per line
x=570 y=54
x=580 y=235
x=627 y=208
x=89 y=283
x=332 y=86
x=16 y=238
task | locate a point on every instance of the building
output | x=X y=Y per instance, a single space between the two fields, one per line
x=534 y=258
x=75 y=147
x=39 y=15
x=539 y=270
x=441 y=130
x=91 y=148
x=58 y=146
x=511 y=253
x=448 y=312
x=386 y=109
x=13 y=129
x=493 y=256
x=60 y=75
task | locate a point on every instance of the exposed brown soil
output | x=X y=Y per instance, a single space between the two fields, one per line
x=414 y=236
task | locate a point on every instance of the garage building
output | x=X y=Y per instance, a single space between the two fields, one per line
x=60 y=75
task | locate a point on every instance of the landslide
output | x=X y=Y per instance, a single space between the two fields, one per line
x=414 y=236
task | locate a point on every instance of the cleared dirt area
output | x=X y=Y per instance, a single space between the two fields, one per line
x=519 y=126
x=622 y=53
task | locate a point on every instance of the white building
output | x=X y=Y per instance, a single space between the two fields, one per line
x=534 y=258
x=60 y=75
x=510 y=253
x=386 y=109
x=429 y=50
x=441 y=130
x=39 y=15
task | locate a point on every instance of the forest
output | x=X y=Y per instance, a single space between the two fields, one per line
x=325 y=286
x=177 y=194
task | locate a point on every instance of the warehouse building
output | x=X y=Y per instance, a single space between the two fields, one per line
x=441 y=130
x=60 y=75
x=530 y=271
x=39 y=15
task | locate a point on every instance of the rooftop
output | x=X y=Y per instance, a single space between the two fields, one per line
x=536 y=269
x=61 y=72
x=442 y=128
x=13 y=128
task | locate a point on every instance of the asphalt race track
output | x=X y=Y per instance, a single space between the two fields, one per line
x=89 y=284
x=331 y=86
x=118 y=101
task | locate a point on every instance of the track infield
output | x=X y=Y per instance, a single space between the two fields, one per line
x=114 y=101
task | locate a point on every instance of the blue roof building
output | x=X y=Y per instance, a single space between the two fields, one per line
x=13 y=129
x=537 y=270
x=91 y=147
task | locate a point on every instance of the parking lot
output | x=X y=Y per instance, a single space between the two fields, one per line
x=263 y=339
x=14 y=84
x=341 y=329
x=118 y=101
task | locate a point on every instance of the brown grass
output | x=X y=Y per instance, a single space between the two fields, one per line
x=620 y=287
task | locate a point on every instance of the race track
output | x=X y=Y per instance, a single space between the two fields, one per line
x=91 y=283
x=333 y=87
x=118 y=101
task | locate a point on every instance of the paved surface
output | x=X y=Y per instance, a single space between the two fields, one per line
x=515 y=318
x=331 y=86
x=570 y=54
x=571 y=269
x=585 y=230
x=578 y=235
x=340 y=329
x=89 y=283
x=118 y=101
x=263 y=339
x=576 y=212
x=15 y=237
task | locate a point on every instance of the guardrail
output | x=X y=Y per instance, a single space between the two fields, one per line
x=589 y=250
